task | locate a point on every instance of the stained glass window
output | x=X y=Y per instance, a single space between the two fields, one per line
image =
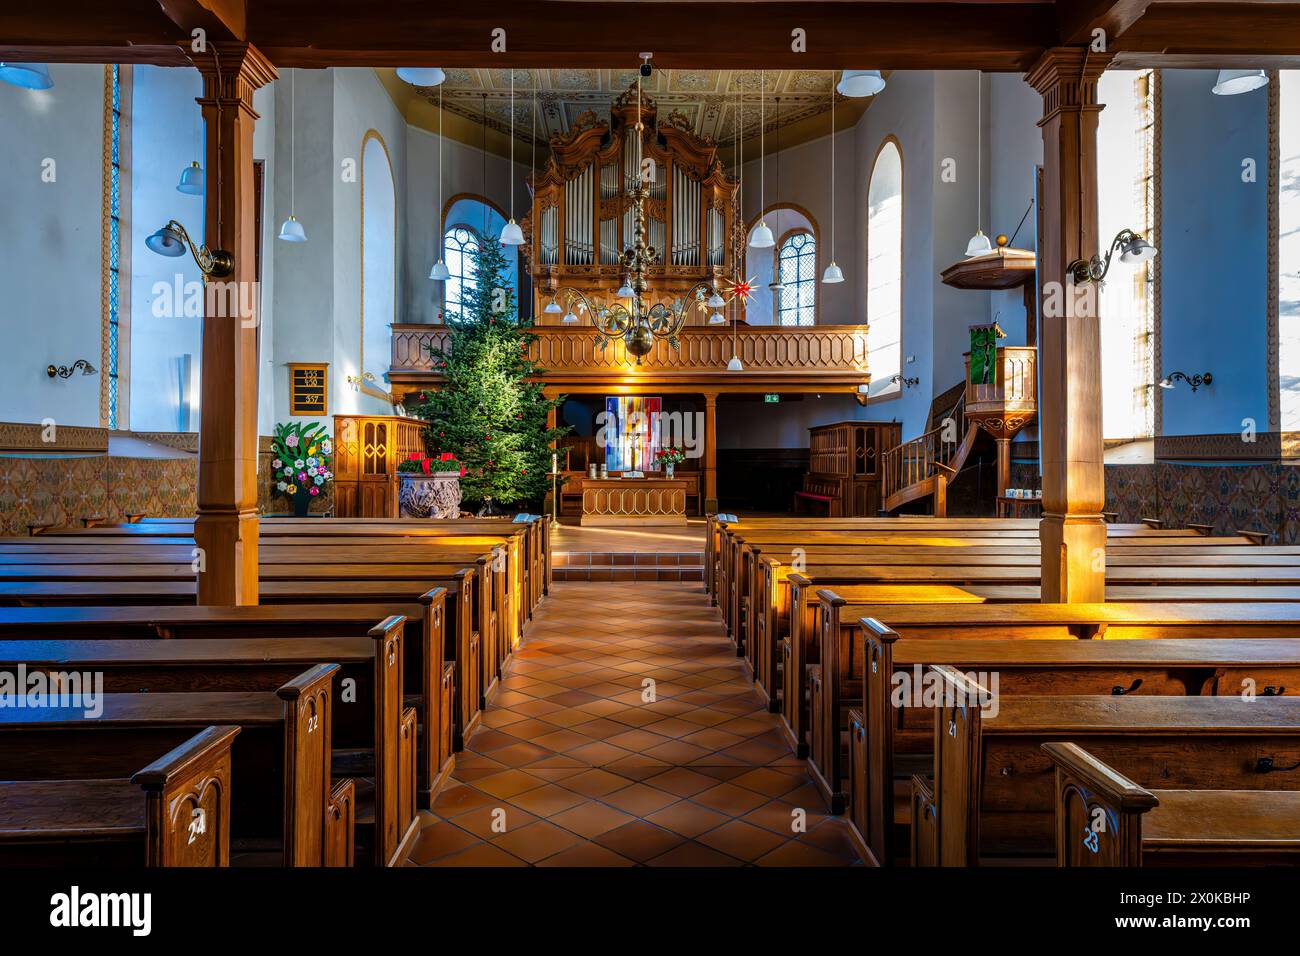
x=796 y=267
x=113 y=214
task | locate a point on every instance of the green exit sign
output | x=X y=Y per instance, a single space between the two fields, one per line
x=771 y=398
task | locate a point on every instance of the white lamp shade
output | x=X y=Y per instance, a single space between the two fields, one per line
x=761 y=237
x=979 y=244
x=569 y=318
x=1165 y=383
x=715 y=301
x=717 y=318
x=553 y=308
x=421 y=75
x=860 y=83
x=29 y=76
x=512 y=235
x=440 y=272
x=166 y=242
x=193 y=180
x=1139 y=250
x=1232 y=82
x=734 y=365
x=625 y=291
x=291 y=231
x=832 y=274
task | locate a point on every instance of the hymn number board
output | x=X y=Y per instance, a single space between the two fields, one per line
x=308 y=389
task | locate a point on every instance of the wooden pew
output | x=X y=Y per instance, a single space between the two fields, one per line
x=892 y=742
x=1105 y=819
x=994 y=787
x=147 y=819
x=430 y=671
x=282 y=807
x=467 y=615
x=797 y=648
x=373 y=733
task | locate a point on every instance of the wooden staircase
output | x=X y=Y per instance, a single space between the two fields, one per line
x=924 y=466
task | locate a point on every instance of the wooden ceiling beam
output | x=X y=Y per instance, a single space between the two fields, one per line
x=1076 y=22
x=997 y=36
x=1212 y=36
x=219 y=19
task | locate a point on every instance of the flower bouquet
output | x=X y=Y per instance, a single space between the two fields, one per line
x=301 y=462
x=668 y=458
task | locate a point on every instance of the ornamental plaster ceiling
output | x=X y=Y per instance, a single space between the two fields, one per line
x=797 y=102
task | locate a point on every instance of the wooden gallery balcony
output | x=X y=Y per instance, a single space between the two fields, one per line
x=828 y=358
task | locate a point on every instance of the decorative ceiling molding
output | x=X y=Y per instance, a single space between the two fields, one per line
x=707 y=99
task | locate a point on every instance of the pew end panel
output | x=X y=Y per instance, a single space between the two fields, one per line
x=187 y=802
x=308 y=755
x=923 y=838
x=956 y=784
x=340 y=824
x=1098 y=811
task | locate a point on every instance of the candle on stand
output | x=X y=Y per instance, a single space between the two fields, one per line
x=555 y=462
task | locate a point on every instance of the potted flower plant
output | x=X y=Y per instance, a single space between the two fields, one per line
x=430 y=486
x=668 y=458
x=300 y=463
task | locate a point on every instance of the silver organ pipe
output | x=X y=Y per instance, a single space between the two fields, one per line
x=549 y=251
x=579 y=203
x=715 y=237
x=686 y=219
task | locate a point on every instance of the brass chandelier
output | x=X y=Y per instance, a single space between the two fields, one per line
x=630 y=317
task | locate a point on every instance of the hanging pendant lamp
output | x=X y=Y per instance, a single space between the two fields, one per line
x=1232 y=82
x=440 y=272
x=761 y=236
x=832 y=273
x=512 y=235
x=27 y=76
x=979 y=243
x=858 y=83
x=291 y=229
x=421 y=75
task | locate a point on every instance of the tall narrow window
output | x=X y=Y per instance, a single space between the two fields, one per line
x=1288 y=247
x=885 y=267
x=796 y=267
x=111 y=350
x=1126 y=199
x=460 y=248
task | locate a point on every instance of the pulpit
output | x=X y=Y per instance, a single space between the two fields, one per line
x=367 y=450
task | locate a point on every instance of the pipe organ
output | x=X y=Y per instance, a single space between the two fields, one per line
x=582 y=216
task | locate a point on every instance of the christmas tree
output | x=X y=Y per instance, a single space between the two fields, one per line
x=490 y=411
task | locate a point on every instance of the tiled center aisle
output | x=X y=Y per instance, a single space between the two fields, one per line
x=580 y=762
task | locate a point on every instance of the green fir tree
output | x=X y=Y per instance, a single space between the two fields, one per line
x=490 y=411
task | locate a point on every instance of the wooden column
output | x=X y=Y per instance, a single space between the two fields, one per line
x=226 y=526
x=710 y=452
x=1004 y=464
x=1072 y=533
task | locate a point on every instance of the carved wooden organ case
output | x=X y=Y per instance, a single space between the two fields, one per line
x=582 y=215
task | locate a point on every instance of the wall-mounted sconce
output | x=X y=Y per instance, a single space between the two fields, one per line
x=66 y=371
x=1132 y=249
x=171 y=241
x=1196 y=381
x=365 y=383
x=905 y=382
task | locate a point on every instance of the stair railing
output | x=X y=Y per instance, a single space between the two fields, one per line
x=925 y=456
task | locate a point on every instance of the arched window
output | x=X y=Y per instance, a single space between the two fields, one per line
x=461 y=245
x=796 y=268
x=885 y=266
x=467 y=221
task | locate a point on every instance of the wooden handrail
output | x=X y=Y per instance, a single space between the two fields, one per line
x=922 y=457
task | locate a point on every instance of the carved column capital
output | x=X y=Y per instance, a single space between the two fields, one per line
x=1066 y=77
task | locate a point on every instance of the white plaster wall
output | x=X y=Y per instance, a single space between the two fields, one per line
x=464 y=173
x=264 y=148
x=50 y=250
x=1015 y=152
x=166 y=136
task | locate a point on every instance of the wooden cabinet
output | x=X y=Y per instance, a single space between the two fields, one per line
x=367 y=450
x=844 y=468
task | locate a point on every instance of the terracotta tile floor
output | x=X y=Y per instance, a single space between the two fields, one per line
x=626 y=734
